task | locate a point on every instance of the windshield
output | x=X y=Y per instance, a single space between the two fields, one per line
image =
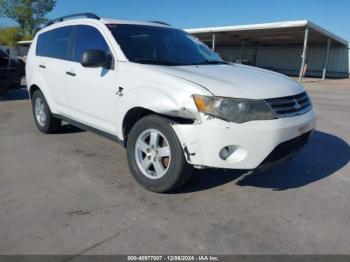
x=162 y=46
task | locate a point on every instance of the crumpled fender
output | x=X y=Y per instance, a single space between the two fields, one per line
x=154 y=99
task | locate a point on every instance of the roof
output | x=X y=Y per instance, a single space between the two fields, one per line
x=82 y=17
x=132 y=22
x=287 y=28
x=76 y=21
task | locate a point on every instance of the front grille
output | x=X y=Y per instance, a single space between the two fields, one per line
x=287 y=148
x=290 y=105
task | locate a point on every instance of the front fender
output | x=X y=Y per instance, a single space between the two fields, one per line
x=175 y=104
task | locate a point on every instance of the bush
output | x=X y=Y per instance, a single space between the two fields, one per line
x=10 y=35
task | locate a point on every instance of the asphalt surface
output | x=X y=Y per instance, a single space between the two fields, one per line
x=72 y=193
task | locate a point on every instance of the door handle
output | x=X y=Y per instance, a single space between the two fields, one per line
x=42 y=66
x=70 y=73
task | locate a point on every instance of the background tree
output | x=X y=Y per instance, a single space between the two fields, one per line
x=9 y=36
x=29 y=14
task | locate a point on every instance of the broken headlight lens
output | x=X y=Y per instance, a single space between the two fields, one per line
x=232 y=109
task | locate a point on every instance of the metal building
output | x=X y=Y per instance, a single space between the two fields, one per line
x=295 y=48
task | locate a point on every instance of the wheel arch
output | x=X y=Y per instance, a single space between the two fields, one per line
x=136 y=113
x=32 y=89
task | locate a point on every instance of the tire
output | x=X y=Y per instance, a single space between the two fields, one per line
x=47 y=123
x=176 y=171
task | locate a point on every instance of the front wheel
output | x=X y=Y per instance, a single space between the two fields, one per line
x=155 y=155
x=43 y=118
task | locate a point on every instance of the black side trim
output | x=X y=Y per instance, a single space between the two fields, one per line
x=91 y=129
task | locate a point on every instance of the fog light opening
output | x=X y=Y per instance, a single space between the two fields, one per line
x=227 y=151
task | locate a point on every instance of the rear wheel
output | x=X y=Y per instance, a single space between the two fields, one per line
x=155 y=155
x=43 y=118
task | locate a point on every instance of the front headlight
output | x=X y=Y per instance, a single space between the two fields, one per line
x=232 y=109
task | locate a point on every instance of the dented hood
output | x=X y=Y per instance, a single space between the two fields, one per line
x=234 y=80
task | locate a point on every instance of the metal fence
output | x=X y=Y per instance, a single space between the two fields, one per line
x=287 y=59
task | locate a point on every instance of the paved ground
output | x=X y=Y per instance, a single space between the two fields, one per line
x=72 y=193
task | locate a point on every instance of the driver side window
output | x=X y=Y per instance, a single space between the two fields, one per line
x=88 y=37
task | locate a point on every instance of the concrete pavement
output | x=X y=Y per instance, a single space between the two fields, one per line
x=72 y=193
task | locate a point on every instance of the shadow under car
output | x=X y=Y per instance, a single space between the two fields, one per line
x=322 y=156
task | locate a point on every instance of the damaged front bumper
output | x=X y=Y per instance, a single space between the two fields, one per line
x=248 y=145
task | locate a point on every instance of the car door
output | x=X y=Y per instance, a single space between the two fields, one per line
x=54 y=48
x=91 y=91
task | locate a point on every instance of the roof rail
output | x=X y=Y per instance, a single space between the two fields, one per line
x=79 y=15
x=159 y=22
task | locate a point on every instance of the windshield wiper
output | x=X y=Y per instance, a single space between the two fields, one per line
x=214 y=62
x=153 y=62
x=170 y=63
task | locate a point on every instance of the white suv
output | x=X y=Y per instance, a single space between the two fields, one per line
x=165 y=96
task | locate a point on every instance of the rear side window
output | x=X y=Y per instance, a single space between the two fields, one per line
x=55 y=43
x=59 y=43
x=88 y=37
x=42 y=44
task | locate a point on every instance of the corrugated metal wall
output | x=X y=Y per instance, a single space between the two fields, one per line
x=349 y=59
x=287 y=59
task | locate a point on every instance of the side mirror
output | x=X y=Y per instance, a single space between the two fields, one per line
x=94 y=58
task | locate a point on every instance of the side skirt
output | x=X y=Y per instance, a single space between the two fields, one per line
x=91 y=129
